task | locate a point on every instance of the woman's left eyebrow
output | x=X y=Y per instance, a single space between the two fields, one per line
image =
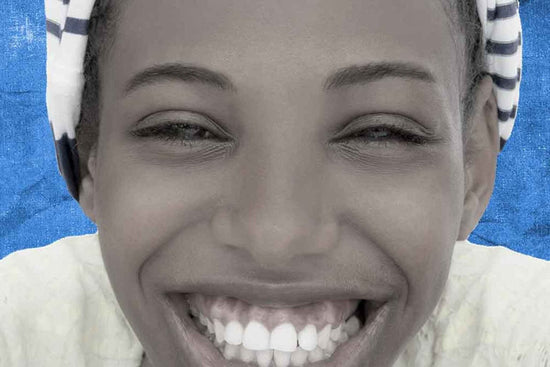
x=366 y=73
x=180 y=72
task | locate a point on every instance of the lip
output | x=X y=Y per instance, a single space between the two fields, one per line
x=278 y=295
x=201 y=350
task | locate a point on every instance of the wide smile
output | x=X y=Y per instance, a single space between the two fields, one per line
x=228 y=331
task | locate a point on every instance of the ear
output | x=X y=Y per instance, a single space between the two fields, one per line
x=86 y=190
x=481 y=148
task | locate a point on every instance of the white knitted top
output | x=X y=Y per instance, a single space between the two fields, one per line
x=57 y=309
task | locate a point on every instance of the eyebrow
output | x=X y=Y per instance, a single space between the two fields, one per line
x=179 y=72
x=362 y=74
x=346 y=76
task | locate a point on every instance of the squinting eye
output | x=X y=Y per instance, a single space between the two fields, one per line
x=181 y=132
x=385 y=133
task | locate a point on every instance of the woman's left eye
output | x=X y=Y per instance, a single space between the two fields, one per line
x=384 y=134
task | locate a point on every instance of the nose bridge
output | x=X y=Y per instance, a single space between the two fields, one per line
x=280 y=207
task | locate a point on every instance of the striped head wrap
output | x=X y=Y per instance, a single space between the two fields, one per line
x=67 y=37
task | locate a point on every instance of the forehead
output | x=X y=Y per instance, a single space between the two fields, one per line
x=263 y=41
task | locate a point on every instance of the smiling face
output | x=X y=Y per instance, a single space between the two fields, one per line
x=278 y=161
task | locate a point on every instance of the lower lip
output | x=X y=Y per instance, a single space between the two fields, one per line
x=202 y=349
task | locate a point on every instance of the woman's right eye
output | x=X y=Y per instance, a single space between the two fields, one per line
x=183 y=133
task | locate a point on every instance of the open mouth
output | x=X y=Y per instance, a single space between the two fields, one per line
x=305 y=335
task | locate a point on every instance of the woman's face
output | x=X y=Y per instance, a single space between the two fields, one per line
x=322 y=164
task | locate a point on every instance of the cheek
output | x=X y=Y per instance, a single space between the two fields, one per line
x=141 y=206
x=426 y=227
x=413 y=215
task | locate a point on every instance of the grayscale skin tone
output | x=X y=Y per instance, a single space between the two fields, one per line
x=272 y=206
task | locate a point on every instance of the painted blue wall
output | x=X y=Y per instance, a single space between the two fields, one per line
x=36 y=209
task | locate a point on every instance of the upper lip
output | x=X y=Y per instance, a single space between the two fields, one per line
x=279 y=295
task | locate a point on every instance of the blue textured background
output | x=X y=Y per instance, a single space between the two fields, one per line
x=36 y=208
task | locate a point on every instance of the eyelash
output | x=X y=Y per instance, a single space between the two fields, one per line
x=168 y=132
x=396 y=134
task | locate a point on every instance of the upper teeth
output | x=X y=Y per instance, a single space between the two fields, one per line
x=352 y=326
x=284 y=338
x=256 y=336
x=274 y=337
x=307 y=338
x=233 y=333
x=323 y=337
x=219 y=329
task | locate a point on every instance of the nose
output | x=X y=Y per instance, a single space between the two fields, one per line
x=280 y=209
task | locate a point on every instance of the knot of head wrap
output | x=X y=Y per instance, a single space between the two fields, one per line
x=67 y=37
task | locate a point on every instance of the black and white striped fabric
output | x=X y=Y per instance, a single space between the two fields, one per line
x=66 y=40
x=503 y=56
x=67 y=37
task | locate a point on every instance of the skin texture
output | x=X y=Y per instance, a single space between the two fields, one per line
x=277 y=199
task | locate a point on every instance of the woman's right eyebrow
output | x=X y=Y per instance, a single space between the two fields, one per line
x=179 y=72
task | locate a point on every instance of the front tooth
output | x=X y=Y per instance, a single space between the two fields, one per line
x=233 y=333
x=219 y=330
x=298 y=357
x=284 y=338
x=307 y=338
x=282 y=359
x=323 y=337
x=263 y=357
x=247 y=355
x=335 y=333
x=231 y=351
x=352 y=326
x=315 y=355
x=256 y=336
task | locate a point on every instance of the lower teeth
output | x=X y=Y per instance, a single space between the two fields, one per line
x=276 y=358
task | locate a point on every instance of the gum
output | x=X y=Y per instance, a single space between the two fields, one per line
x=225 y=309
